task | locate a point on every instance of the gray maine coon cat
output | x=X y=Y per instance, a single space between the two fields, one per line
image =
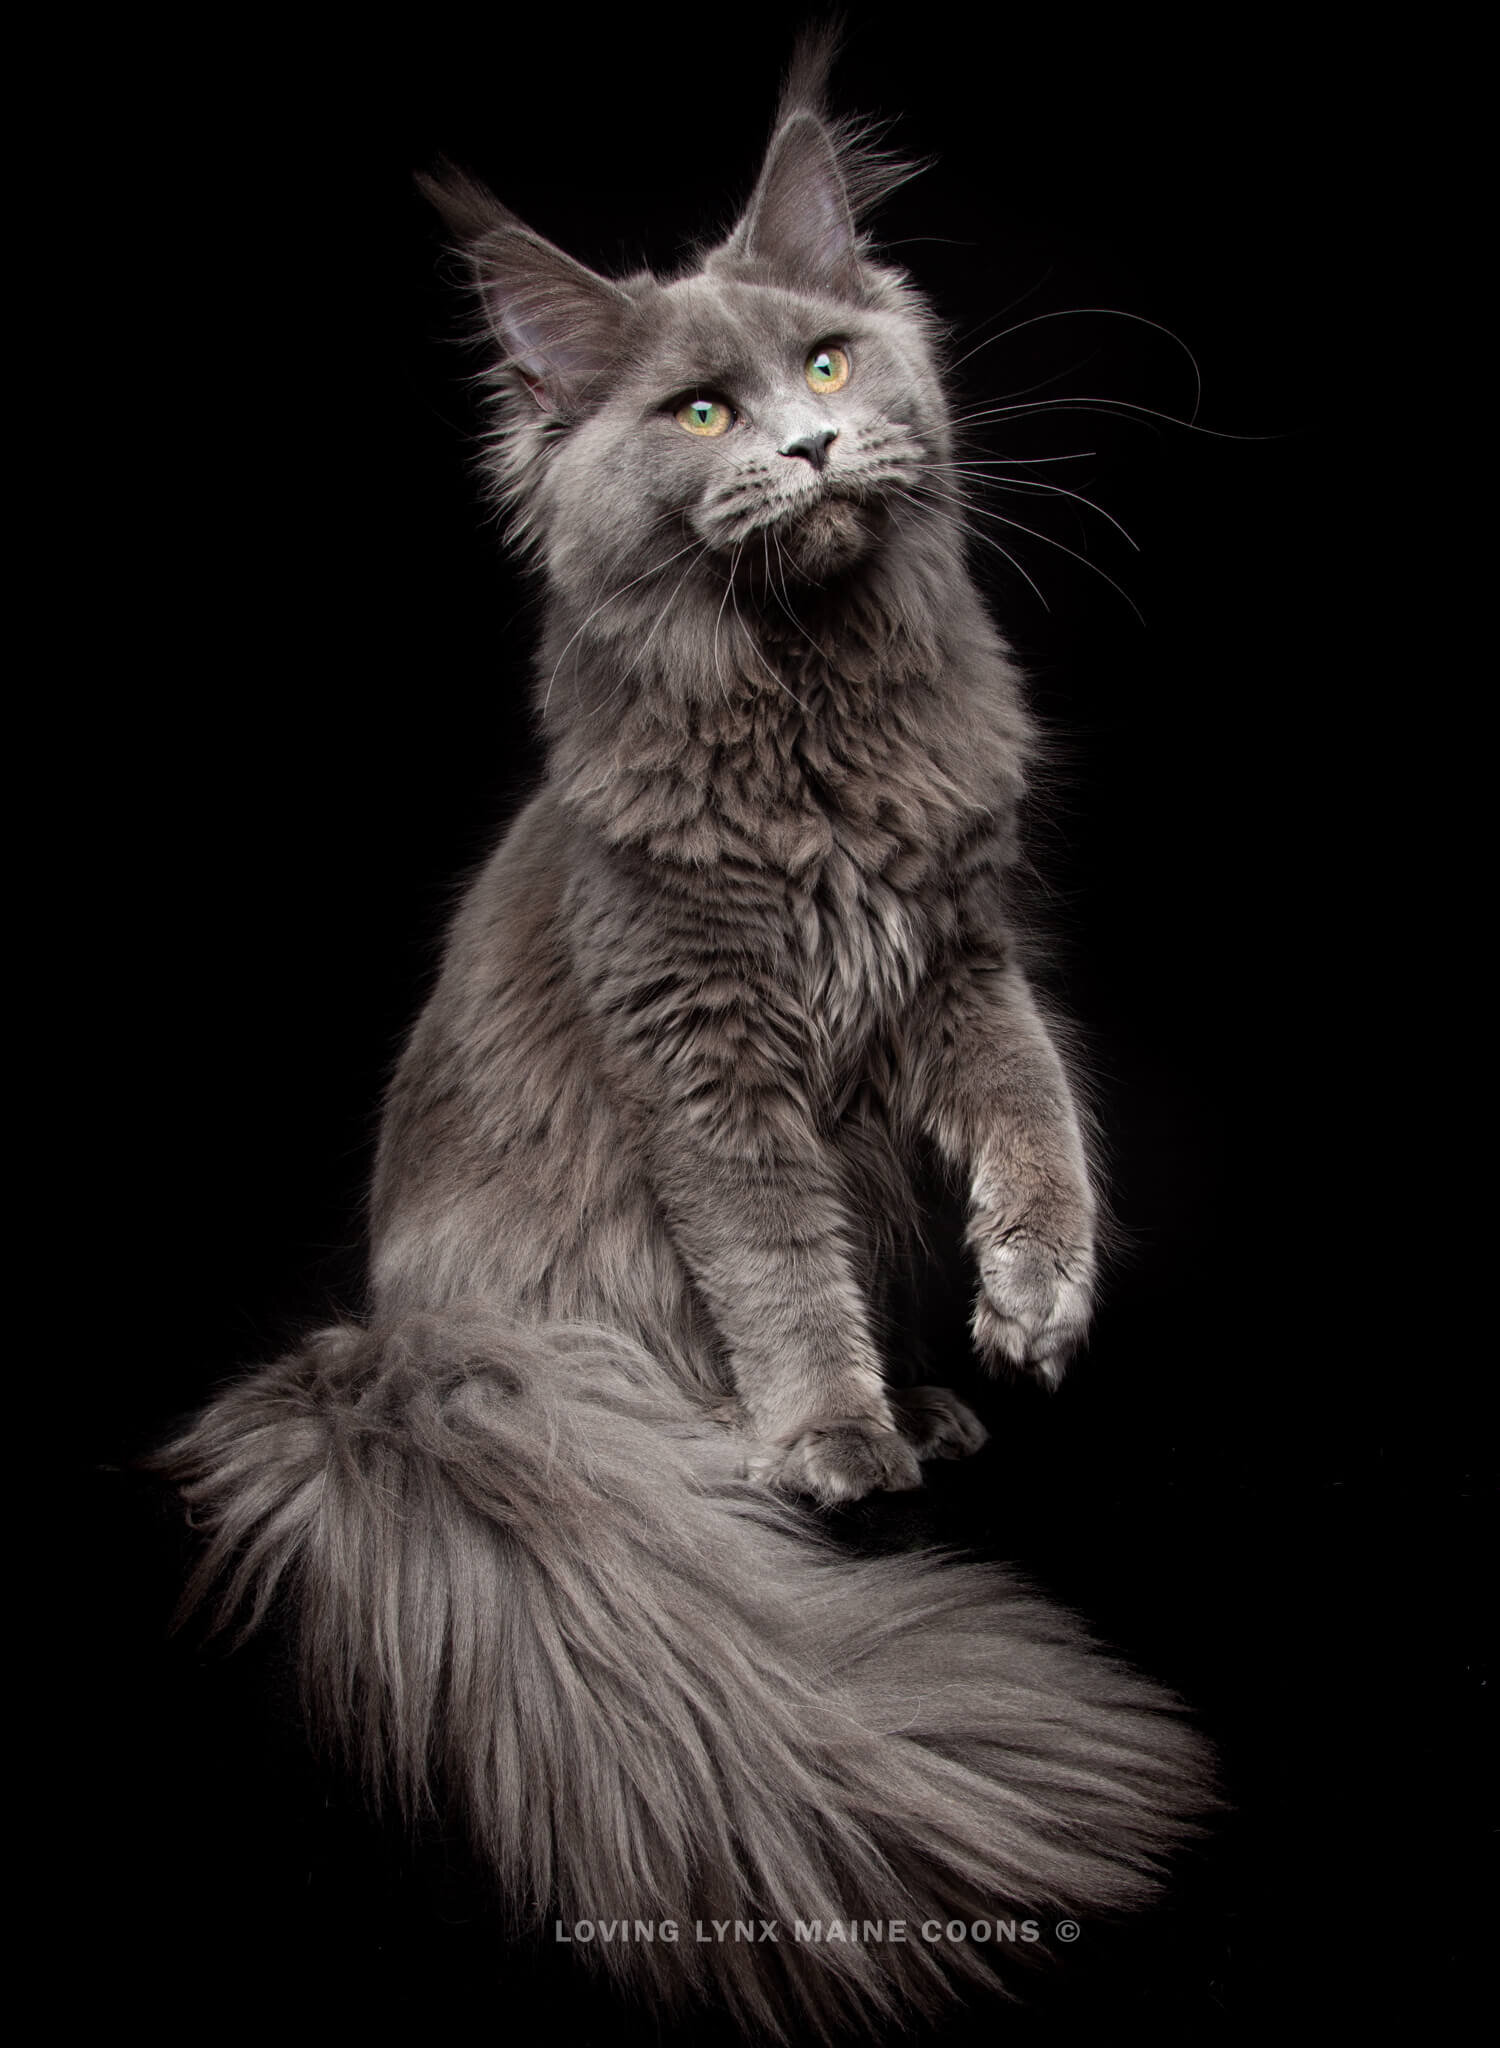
x=649 y=1153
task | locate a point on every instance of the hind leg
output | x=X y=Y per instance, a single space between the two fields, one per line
x=936 y=1423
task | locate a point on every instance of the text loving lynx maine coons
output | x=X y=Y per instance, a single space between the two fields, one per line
x=549 y=1514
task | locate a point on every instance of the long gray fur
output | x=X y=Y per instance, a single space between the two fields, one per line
x=649 y=1155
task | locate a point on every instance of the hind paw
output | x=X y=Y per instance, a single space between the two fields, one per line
x=936 y=1423
x=841 y=1461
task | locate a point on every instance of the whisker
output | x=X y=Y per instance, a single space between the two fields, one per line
x=1054 y=377
x=655 y=569
x=660 y=616
x=1011 y=305
x=1064 y=549
x=750 y=637
x=1022 y=461
x=1122 y=408
x=1061 y=546
x=912 y=492
x=734 y=562
x=1028 y=483
x=783 y=598
x=1106 y=313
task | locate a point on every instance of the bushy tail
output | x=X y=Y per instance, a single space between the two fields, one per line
x=528 y=1574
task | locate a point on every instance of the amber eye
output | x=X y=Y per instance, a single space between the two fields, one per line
x=705 y=416
x=828 y=369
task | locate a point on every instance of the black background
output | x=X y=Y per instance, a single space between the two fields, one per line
x=311 y=652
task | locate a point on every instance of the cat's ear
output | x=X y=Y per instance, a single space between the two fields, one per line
x=821 y=176
x=800 y=222
x=558 y=322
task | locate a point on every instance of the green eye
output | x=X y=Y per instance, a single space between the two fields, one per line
x=706 y=416
x=828 y=369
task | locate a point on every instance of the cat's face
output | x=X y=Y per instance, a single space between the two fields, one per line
x=773 y=426
x=776 y=412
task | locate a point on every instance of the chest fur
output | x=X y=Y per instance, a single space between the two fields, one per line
x=857 y=946
x=843 y=831
x=818 y=837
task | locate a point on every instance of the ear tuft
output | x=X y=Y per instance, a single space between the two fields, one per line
x=805 y=89
x=469 y=210
x=558 y=322
x=819 y=178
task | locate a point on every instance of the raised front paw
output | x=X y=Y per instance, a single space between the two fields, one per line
x=1036 y=1287
x=839 y=1461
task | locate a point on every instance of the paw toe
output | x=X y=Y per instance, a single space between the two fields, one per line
x=1033 y=1308
x=936 y=1423
x=842 y=1461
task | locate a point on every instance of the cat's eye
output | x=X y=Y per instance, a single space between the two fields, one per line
x=828 y=369
x=705 y=416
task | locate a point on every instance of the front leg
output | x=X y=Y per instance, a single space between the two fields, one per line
x=715 y=1058
x=987 y=1085
x=754 y=1210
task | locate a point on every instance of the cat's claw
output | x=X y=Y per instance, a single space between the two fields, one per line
x=1032 y=1313
x=936 y=1423
x=841 y=1461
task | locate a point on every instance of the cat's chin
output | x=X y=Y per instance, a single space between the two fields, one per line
x=830 y=535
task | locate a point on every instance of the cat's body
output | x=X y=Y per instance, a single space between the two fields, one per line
x=737 y=894
x=647 y=1165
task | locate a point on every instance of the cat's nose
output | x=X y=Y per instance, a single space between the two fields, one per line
x=813 y=448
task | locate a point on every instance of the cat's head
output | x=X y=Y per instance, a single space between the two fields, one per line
x=776 y=405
